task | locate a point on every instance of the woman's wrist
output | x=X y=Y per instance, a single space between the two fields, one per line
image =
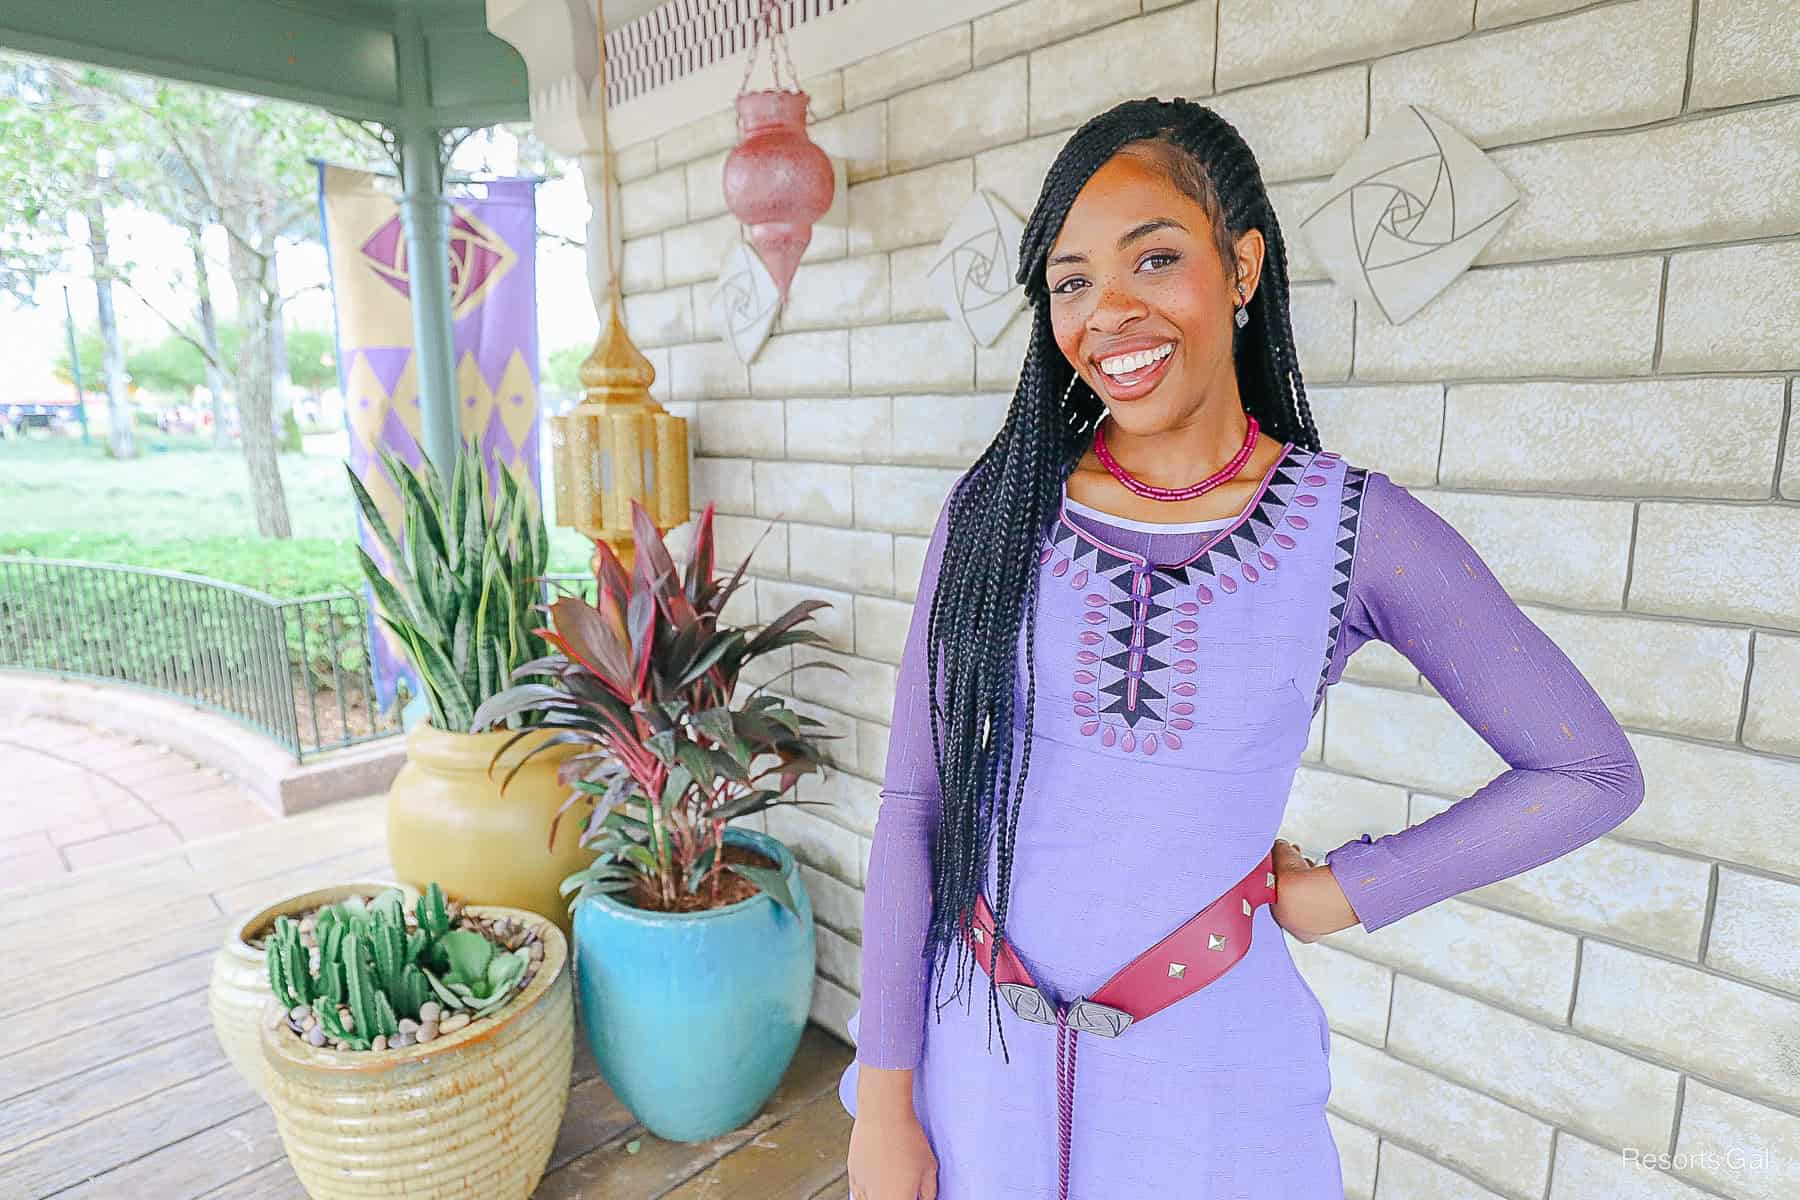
x=1322 y=901
x=884 y=1091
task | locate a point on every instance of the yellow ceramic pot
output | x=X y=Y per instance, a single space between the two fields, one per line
x=472 y=1115
x=447 y=820
x=240 y=973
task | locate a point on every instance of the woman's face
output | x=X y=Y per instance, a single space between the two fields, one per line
x=1135 y=268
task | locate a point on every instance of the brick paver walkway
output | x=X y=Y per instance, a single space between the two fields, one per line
x=72 y=796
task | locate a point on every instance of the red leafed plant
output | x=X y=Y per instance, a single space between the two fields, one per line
x=644 y=680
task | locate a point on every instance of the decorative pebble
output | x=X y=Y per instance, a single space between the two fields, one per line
x=316 y=1035
x=428 y=1032
x=300 y=1012
x=399 y=1040
x=455 y=1022
x=537 y=951
x=429 y=1012
x=340 y=1045
x=311 y=1023
x=408 y=1025
x=380 y=1043
x=348 y=1021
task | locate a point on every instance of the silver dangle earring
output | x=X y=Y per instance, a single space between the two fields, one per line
x=1243 y=311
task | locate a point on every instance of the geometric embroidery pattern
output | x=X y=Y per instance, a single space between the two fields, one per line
x=1138 y=641
x=1344 y=559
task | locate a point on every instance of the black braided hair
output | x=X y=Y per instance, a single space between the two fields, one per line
x=987 y=582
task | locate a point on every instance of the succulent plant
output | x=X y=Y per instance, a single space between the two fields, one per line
x=372 y=964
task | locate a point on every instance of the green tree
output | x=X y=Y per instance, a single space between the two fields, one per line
x=59 y=160
x=312 y=359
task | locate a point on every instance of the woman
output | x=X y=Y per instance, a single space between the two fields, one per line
x=1147 y=581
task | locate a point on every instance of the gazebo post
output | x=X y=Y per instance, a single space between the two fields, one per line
x=425 y=216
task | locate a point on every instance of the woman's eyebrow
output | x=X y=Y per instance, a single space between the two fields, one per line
x=1129 y=236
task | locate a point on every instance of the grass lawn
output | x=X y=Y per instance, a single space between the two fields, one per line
x=183 y=506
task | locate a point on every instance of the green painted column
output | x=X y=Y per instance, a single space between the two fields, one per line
x=425 y=214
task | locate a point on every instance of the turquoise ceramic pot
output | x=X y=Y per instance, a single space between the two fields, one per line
x=694 y=1017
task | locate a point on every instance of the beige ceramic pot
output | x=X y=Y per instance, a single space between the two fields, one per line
x=448 y=821
x=240 y=973
x=472 y=1115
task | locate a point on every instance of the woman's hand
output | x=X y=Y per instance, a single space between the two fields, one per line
x=890 y=1157
x=1308 y=901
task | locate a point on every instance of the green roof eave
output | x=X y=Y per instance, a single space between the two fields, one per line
x=337 y=54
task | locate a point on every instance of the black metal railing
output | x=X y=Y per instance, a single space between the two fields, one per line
x=297 y=671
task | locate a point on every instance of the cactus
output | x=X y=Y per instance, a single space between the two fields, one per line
x=289 y=978
x=414 y=991
x=388 y=945
x=373 y=965
x=433 y=913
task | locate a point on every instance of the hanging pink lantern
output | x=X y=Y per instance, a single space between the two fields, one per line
x=777 y=180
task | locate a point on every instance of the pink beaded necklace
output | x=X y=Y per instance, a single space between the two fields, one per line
x=1152 y=492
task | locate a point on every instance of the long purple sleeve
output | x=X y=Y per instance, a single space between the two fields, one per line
x=897 y=892
x=1417 y=585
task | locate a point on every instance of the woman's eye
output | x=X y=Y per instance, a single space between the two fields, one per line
x=1063 y=287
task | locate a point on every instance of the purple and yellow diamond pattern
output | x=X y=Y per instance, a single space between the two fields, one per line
x=494 y=336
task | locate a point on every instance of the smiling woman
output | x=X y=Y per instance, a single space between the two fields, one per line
x=1130 y=610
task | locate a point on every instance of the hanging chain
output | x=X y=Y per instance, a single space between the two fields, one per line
x=769 y=27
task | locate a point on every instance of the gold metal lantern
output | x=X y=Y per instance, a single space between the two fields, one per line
x=618 y=444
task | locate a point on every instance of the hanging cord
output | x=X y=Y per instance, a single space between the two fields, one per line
x=1065 y=1097
x=768 y=27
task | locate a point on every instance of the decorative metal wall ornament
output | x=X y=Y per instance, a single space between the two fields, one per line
x=777 y=181
x=1407 y=212
x=745 y=302
x=973 y=270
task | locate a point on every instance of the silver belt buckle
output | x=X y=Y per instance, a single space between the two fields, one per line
x=1087 y=1016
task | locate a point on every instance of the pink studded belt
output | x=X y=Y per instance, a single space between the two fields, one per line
x=1204 y=948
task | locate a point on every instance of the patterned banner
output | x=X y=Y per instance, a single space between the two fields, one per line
x=493 y=298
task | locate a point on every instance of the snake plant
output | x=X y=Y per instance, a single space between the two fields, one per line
x=460 y=587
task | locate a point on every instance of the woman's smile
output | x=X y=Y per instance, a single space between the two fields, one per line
x=1140 y=376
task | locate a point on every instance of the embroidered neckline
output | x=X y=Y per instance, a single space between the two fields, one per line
x=1242 y=538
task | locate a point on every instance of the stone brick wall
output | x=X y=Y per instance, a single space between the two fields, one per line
x=1601 y=404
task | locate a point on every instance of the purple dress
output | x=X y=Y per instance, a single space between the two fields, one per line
x=1178 y=672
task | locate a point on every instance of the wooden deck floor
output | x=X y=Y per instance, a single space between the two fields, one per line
x=112 y=1083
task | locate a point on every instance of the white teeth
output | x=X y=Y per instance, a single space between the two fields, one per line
x=1127 y=363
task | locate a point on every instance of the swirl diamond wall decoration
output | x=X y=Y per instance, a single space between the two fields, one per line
x=973 y=270
x=745 y=301
x=1407 y=212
